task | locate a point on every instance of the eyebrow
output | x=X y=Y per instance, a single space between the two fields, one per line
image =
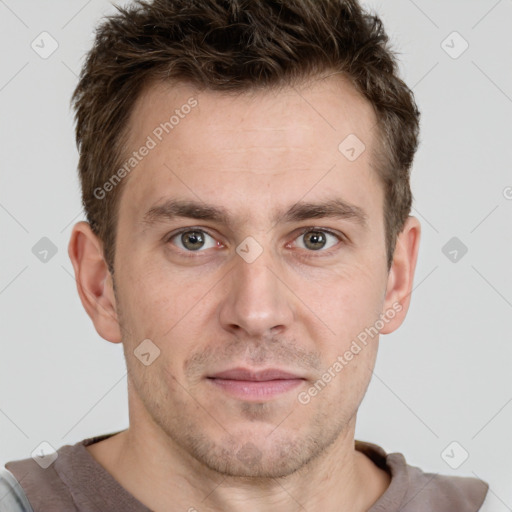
x=332 y=208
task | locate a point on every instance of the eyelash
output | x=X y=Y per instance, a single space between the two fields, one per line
x=195 y=254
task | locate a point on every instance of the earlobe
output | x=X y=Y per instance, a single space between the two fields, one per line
x=401 y=275
x=94 y=281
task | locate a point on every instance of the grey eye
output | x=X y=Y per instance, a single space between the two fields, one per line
x=193 y=240
x=315 y=240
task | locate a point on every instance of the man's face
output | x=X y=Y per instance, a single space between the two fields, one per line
x=291 y=298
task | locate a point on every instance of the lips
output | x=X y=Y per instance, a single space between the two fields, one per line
x=254 y=376
x=255 y=386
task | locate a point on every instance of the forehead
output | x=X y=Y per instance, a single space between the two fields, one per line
x=275 y=146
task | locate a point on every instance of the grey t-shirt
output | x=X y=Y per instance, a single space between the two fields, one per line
x=76 y=482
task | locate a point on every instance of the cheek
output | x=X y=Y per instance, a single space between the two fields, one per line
x=153 y=290
x=347 y=300
x=167 y=307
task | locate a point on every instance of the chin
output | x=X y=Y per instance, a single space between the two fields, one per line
x=256 y=455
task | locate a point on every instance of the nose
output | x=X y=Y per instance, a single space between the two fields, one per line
x=256 y=302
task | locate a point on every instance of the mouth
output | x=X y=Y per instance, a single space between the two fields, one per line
x=255 y=386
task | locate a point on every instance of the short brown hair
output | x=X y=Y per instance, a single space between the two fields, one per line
x=231 y=45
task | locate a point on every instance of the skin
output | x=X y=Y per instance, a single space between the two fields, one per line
x=189 y=443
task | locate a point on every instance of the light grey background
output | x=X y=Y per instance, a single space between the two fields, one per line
x=444 y=376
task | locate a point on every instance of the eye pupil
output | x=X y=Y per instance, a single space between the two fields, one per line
x=315 y=237
x=196 y=239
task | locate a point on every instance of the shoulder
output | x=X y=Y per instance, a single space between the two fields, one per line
x=66 y=481
x=413 y=490
x=444 y=492
x=42 y=487
x=13 y=497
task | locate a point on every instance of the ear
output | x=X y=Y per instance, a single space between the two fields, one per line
x=401 y=275
x=94 y=281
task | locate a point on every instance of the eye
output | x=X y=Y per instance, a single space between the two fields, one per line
x=317 y=239
x=193 y=240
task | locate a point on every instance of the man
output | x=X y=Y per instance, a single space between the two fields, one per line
x=245 y=176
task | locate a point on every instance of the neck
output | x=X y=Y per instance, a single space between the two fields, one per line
x=341 y=478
